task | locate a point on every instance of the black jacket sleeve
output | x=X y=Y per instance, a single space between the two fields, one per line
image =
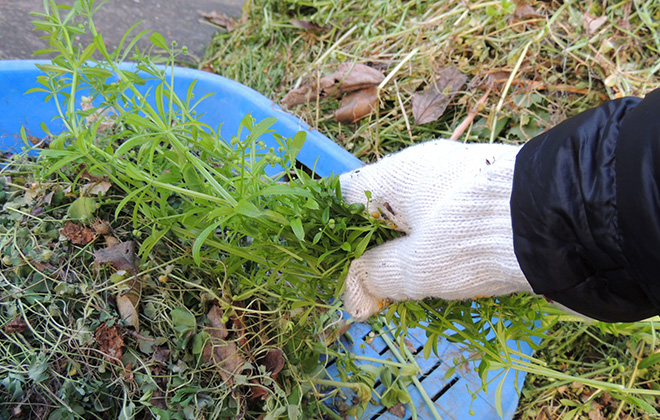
x=585 y=208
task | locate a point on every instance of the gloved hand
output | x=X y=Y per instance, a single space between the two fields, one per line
x=452 y=201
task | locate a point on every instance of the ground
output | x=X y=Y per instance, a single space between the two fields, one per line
x=177 y=20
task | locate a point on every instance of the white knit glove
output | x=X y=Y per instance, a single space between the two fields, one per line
x=452 y=201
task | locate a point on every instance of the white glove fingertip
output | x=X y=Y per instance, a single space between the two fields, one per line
x=358 y=301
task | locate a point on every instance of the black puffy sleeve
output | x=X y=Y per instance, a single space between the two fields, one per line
x=585 y=209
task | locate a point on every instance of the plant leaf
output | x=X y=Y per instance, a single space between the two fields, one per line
x=38 y=371
x=82 y=208
x=182 y=318
x=158 y=40
x=248 y=209
x=77 y=233
x=110 y=342
x=121 y=256
x=222 y=353
x=357 y=105
x=297 y=227
x=430 y=104
x=127 y=304
x=349 y=77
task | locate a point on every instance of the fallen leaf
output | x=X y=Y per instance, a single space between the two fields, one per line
x=222 y=353
x=307 y=25
x=161 y=355
x=111 y=241
x=95 y=188
x=158 y=399
x=607 y=399
x=127 y=373
x=105 y=118
x=127 y=304
x=542 y=416
x=93 y=178
x=77 y=233
x=121 y=256
x=111 y=344
x=220 y=19
x=349 y=77
x=498 y=76
x=430 y=104
x=48 y=198
x=410 y=346
x=274 y=362
x=398 y=410
x=259 y=391
x=592 y=24
x=38 y=142
x=524 y=11
x=238 y=326
x=596 y=414
x=102 y=227
x=16 y=325
x=357 y=105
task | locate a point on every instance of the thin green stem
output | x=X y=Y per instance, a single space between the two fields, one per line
x=418 y=384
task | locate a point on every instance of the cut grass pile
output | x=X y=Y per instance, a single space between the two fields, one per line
x=544 y=61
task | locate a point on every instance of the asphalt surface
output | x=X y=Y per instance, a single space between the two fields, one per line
x=176 y=20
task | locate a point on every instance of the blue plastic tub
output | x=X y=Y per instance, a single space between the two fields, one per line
x=229 y=104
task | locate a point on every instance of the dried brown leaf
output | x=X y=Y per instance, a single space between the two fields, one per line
x=220 y=19
x=93 y=178
x=259 y=392
x=95 y=188
x=222 y=353
x=127 y=304
x=307 y=25
x=592 y=24
x=102 y=227
x=121 y=256
x=499 y=76
x=111 y=241
x=37 y=141
x=410 y=346
x=349 y=77
x=398 y=410
x=158 y=399
x=523 y=10
x=161 y=355
x=274 y=362
x=430 y=104
x=357 y=105
x=16 y=325
x=111 y=344
x=596 y=414
x=77 y=233
x=542 y=415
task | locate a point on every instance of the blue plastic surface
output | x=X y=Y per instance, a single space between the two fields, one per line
x=229 y=104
